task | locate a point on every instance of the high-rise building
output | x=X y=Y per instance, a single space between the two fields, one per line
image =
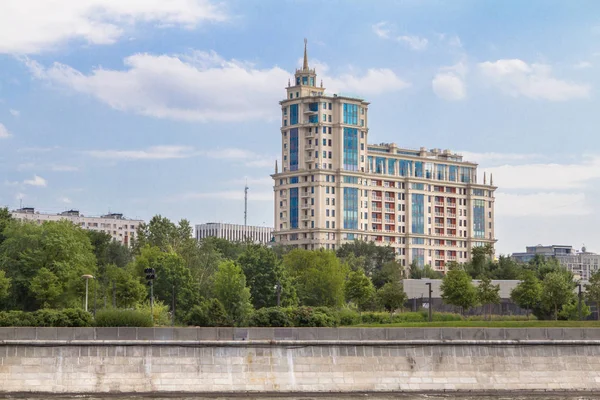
x=334 y=187
x=235 y=233
x=119 y=228
x=581 y=263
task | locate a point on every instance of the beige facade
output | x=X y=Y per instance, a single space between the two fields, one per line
x=120 y=229
x=334 y=187
x=234 y=232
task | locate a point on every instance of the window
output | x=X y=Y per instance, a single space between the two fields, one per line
x=294 y=114
x=324 y=129
x=324 y=142
x=330 y=106
x=285 y=111
x=324 y=154
x=350 y=114
x=294 y=149
x=350 y=158
x=285 y=122
x=329 y=129
x=324 y=118
x=324 y=106
x=327 y=212
x=297 y=94
x=291 y=95
x=330 y=142
x=329 y=154
x=329 y=118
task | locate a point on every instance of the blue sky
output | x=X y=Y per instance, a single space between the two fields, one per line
x=168 y=106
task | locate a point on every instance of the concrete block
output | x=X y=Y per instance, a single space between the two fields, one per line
x=327 y=333
x=26 y=333
x=127 y=333
x=163 y=334
x=107 y=333
x=349 y=333
x=536 y=333
x=415 y=333
x=373 y=333
x=432 y=333
x=554 y=333
x=261 y=333
x=307 y=334
x=494 y=333
x=145 y=334
x=587 y=333
x=285 y=334
x=185 y=334
x=515 y=333
x=207 y=333
x=453 y=333
x=396 y=333
x=7 y=333
x=225 y=334
x=46 y=333
x=82 y=333
x=241 y=333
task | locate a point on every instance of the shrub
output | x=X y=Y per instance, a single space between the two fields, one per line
x=160 y=312
x=312 y=317
x=123 y=317
x=270 y=317
x=375 y=317
x=47 y=318
x=208 y=313
x=348 y=317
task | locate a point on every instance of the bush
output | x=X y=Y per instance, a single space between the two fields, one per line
x=312 y=317
x=348 y=317
x=501 y=318
x=208 y=313
x=160 y=312
x=47 y=318
x=375 y=317
x=122 y=317
x=270 y=317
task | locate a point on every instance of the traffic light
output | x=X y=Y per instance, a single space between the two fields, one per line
x=150 y=275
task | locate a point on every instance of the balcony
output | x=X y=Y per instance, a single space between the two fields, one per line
x=451 y=215
x=305 y=206
x=376 y=198
x=451 y=258
x=451 y=226
x=439 y=214
x=439 y=203
x=390 y=231
x=306 y=217
x=451 y=205
x=438 y=225
x=376 y=209
x=309 y=147
x=376 y=220
x=309 y=159
x=390 y=199
x=305 y=194
x=390 y=210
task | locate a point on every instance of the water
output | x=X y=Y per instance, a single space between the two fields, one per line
x=327 y=396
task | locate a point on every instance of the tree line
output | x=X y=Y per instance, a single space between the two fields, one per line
x=214 y=281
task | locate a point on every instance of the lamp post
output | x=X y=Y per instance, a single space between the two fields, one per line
x=87 y=278
x=278 y=291
x=579 y=300
x=430 y=305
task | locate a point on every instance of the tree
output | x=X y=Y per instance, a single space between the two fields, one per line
x=5 y=219
x=487 y=293
x=480 y=256
x=458 y=290
x=263 y=272
x=62 y=249
x=528 y=293
x=392 y=296
x=4 y=286
x=391 y=271
x=359 y=289
x=592 y=290
x=557 y=291
x=46 y=288
x=162 y=233
x=318 y=276
x=230 y=289
x=416 y=272
x=374 y=256
x=505 y=269
x=570 y=310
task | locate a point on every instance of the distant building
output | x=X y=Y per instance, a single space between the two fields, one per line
x=581 y=263
x=235 y=233
x=119 y=228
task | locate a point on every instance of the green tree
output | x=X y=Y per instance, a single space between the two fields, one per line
x=129 y=290
x=392 y=296
x=60 y=247
x=4 y=286
x=480 y=260
x=231 y=290
x=570 y=310
x=46 y=288
x=557 y=291
x=229 y=250
x=528 y=293
x=263 y=272
x=162 y=233
x=359 y=289
x=209 y=313
x=373 y=256
x=505 y=269
x=458 y=290
x=318 y=276
x=487 y=294
x=416 y=272
x=592 y=290
x=5 y=219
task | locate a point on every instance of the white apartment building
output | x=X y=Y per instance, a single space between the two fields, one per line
x=334 y=187
x=119 y=228
x=235 y=233
x=581 y=263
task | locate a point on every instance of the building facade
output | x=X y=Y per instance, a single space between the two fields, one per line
x=235 y=233
x=119 y=228
x=581 y=263
x=334 y=187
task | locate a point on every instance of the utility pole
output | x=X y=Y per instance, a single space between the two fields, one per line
x=150 y=276
x=246 y=204
x=579 y=302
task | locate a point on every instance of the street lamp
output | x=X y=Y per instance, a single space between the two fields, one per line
x=87 y=278
x=579 y=300
x=278 y=291
x=430 y=305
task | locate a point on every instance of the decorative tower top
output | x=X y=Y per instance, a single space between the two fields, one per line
x=305 y=64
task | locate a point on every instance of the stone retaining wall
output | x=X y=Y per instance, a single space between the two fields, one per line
x=47 y=360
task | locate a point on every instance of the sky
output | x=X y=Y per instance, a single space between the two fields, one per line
x=168 y=107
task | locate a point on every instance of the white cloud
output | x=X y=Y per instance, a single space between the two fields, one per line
x=197 y=87
x=449 y=82
x=517 y=78
x=382 y=29
x=65 y=200
x=414 y=42
x=32 y=26
x=36 y=181
x=491 y=158
x=583 y=65
x=4 y=133
x=14 y=113
x=549 y=204
x=151 y=153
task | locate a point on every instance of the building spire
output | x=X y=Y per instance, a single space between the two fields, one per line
x=305 y=64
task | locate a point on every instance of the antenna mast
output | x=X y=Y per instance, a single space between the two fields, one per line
x=246 y=204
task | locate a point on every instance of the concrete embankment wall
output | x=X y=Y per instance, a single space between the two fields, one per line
x=227 y=360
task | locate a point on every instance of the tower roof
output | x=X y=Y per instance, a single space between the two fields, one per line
x=305 y=64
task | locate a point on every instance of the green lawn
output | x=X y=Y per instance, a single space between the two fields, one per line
x=488 y=324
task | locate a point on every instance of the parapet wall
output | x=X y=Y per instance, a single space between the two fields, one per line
x=297 y=360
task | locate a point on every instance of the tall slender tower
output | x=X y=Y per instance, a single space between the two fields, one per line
x=246 y=204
